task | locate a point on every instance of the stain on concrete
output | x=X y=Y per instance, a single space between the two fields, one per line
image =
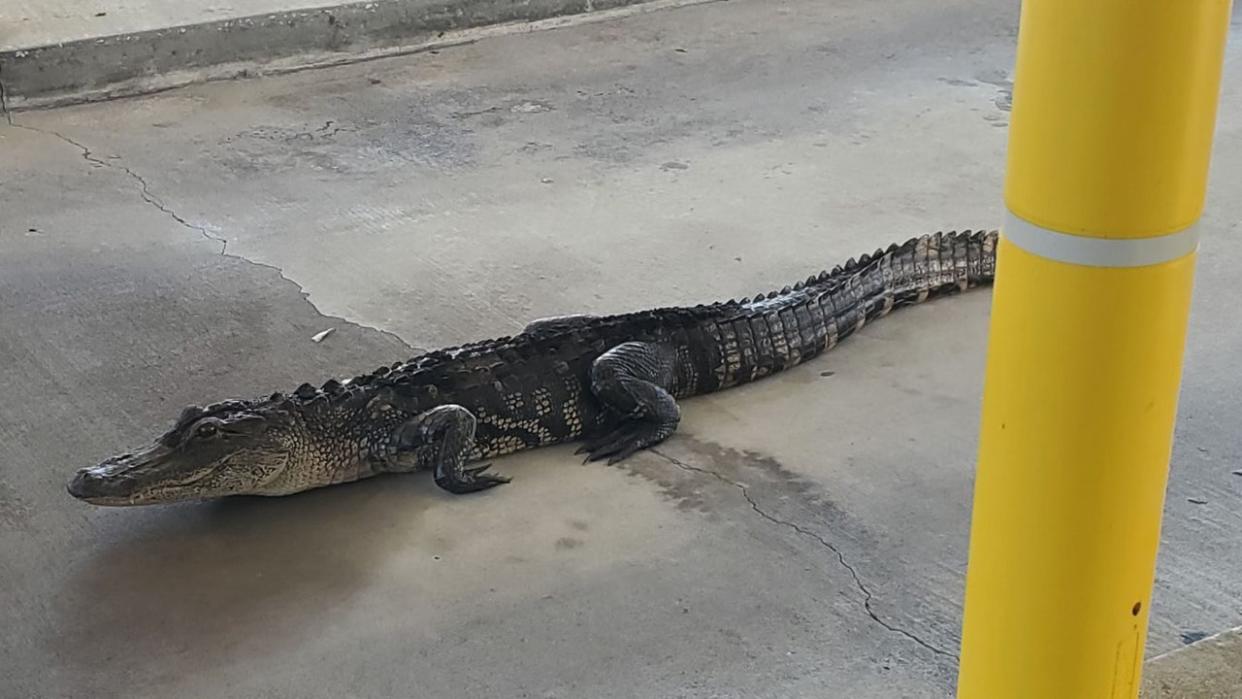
x=1004 y=100
x=700 y=491
x=743 y=465
x=1189 y=637
x=530 y=107
x=14 y=512
x=364 y=146
x=566 y=543
x=1000 y=79
x=495 y=112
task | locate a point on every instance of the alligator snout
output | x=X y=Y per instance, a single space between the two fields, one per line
x=85 y=483
x=115 y=477
x=99 y=481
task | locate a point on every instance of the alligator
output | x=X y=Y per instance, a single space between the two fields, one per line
x=612 y=382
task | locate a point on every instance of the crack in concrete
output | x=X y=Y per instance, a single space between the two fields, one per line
x=150 y=198
x=144 y=187
x=858 y=582
x=335 y=130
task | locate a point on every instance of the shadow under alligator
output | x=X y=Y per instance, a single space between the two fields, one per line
x=182 y=588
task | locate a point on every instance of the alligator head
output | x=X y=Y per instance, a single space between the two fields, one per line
x=231 y=448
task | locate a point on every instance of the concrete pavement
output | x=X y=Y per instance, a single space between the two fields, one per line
x=805 y=535
x=1211 y=668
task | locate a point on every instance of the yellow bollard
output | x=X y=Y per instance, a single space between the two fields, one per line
x=1113 y=115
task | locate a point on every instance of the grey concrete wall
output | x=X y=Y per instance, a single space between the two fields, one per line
x=94 y=67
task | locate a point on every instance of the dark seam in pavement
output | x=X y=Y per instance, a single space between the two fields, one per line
x=148 y=197
x=4 y=101
x=866 y=592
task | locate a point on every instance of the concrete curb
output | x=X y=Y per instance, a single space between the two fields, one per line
x=143 y=62
x=1207 y=669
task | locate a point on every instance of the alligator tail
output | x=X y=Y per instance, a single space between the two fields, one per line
x=919 y=270
x=779 y=330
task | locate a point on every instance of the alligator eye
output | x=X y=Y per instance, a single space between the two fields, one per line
x=206 y=430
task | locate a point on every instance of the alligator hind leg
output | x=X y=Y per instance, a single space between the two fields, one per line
x=441 y=438
x=633 y=381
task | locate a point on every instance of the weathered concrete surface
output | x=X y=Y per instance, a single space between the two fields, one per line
x=1208 y=669
x=66 y=52
x=802 y=536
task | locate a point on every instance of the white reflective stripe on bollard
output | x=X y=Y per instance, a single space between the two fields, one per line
x=1099 y=252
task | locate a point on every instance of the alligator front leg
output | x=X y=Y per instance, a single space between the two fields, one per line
x=632 y=380
x=441 y=438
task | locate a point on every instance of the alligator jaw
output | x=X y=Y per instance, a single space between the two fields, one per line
x=122 y=480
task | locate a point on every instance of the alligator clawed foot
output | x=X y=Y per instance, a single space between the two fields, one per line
x=471 y=480
x=624 y=441
x=602 y=439
x=603 y=434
